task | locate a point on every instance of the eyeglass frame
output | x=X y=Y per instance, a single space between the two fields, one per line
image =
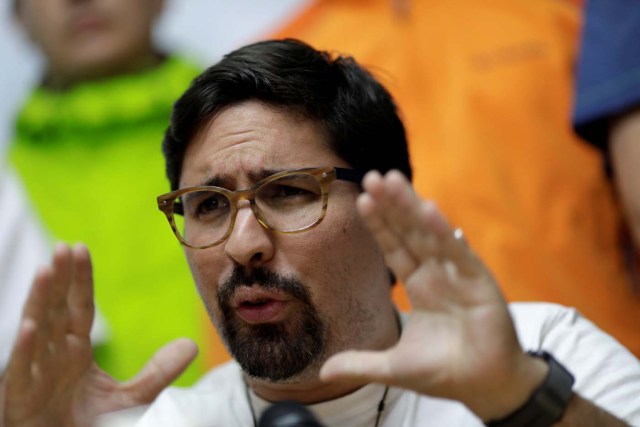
x=324 y=175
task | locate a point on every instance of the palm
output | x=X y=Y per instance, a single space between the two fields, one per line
x=51 y=378
x=453 y=327
x=459 y=336
x=33 y=403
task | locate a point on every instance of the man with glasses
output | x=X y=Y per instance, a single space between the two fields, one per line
x=292 y=255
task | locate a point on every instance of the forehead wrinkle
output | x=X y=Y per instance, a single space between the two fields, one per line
x=227 y=169
x=225 y=180
x=243 y=152
x=235 y=147
x=246 y=126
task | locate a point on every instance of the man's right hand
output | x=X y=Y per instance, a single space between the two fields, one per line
x=51 y=378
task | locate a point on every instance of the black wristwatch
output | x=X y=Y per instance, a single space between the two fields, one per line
x=547 y=404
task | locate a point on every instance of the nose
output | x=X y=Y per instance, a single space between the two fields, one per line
x=249 y=244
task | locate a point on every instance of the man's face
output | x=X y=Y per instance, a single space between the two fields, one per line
x=285 y=302
x=88 y=38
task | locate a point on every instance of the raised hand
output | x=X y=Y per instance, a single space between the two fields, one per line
x=51 y=378
x=460 y=342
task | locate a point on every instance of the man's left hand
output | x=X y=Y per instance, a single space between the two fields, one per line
x=460 y=342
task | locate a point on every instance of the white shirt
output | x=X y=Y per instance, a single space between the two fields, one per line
x=606 y=374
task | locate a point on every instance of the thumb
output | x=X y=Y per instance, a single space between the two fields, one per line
x=163 y=368
x=368 y=366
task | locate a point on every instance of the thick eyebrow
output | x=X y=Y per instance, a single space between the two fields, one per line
x=225 y=181
x=215 y=181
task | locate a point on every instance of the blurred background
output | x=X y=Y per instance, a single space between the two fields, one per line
x=102 y=138
x=200 y=30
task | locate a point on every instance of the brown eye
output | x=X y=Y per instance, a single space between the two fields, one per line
x=206 y=205
x=212 y=205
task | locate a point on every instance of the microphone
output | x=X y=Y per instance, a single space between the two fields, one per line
x=288 y=414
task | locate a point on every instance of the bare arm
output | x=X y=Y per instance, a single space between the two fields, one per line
x=581 y=412
x=624 y=144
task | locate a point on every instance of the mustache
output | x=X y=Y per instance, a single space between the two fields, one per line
x=264 y=278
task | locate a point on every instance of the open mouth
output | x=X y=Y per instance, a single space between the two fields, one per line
x=257 y=305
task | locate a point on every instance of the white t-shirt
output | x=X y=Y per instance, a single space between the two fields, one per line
x=606 y=374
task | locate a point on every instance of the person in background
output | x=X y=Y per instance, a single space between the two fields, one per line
x=486 y=93
x=607 y=108
x=291 y=251
x=85 y=150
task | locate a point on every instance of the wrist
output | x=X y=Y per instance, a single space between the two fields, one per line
x=506 y=396
x=546 y=403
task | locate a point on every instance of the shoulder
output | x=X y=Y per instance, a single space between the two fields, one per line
x=218 y=399
x=562 y=331
x=535 y=321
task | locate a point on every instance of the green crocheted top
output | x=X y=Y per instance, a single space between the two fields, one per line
x=91 y=161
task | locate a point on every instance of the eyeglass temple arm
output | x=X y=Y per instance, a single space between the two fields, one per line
x=351 y=175
x=178 y=209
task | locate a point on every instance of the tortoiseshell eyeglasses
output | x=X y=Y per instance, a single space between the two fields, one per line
x=287 y=202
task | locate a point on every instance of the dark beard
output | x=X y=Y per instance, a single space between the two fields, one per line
x=272 y=351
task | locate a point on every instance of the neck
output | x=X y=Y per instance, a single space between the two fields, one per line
x=65 y=79
x=309 y=389
x=307 y=392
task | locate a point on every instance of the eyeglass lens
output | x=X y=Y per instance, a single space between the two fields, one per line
x=290 y=203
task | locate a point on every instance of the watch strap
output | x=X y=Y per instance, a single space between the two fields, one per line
x=547 y=403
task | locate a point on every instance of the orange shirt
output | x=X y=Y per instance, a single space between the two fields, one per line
x=485 y=90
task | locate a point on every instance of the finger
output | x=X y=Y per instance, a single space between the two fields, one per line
x=18 y=374
x=36 y=306
x=397 y=219
x=460 y=257
x=454 y=249
x=58 y=310
x=165 y=366
x=402 y=211
x=413 y=232
x=425 y=230
x=358 y=366
x=81 y=302
x=36 y=309
x=395 y=252
x=424 y=279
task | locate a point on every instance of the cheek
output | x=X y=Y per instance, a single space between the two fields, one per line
x=206 y=270
x=340 y=257
x=133 y=28
x=349 y=282
x=46 y=27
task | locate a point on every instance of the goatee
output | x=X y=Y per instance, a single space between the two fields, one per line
x=272 y=351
